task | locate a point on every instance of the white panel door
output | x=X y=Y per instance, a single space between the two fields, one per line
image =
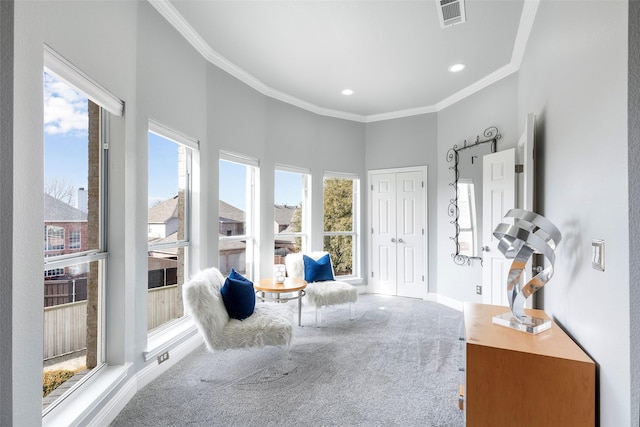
x=498 y=197
x=410 y=234
x=526 y=181
x=383 y=233
x=398 y=234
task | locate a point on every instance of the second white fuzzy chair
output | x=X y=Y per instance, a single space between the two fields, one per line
x=319 y=294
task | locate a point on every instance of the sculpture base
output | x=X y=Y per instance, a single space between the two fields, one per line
x=531 y=325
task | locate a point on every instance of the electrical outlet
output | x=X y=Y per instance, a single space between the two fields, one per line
x=479 y=289
x=163 y=357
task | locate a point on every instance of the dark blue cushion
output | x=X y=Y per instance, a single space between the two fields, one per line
x=238 y=295
x=317 y=271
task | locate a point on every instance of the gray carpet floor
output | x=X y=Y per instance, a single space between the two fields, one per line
x=396 y=364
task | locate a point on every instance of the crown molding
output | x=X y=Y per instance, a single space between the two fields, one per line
x=171 y=14
x=492 y=78
x=401 y=113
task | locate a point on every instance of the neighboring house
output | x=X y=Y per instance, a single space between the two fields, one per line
x=163 y=219
x=282 y=216
x=65 y=228
x=65 y=232
x=231 y=220
x=163 y=228
x=162 y=264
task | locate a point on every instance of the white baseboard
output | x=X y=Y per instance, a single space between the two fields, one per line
x=153 y=370
x=449 y=302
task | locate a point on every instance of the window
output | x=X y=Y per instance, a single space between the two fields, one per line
x=467 y=220
x=75 y=239
x=169 y=199
x=53 y=238
x=74 y=206
x=237 y=201
x=291 y=211
x=340 y=222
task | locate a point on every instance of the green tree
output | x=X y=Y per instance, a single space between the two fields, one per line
x=296 y=226
x=338 y=216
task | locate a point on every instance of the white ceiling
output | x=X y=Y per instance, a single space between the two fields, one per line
x=393 y=54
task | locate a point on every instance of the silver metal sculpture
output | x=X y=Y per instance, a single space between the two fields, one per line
x=530 y=233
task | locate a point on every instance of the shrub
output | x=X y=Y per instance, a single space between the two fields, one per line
x=53 y=379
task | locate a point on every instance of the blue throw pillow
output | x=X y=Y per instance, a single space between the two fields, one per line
x=238 y=295
x=317 y=271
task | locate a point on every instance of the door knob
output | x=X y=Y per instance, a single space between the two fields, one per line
x=400 y=240
x=393 y=239
x=485 y=249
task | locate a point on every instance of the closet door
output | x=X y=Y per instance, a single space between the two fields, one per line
x=383 y=233
x=410 y=231
x=398 y=233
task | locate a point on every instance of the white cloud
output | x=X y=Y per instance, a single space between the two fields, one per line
x=65 y=110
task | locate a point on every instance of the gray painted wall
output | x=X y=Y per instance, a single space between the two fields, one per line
x=634 y=205
x=574 y=78
x=465 y=120
x=413 y=143
x=6 y=206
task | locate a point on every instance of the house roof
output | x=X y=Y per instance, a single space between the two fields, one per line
x=229 y=213
x=58 y=211
x=163 y=211
x=282 y=214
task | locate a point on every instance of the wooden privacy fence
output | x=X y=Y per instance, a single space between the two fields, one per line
x=163 y=304
x=65 y=325
x=65 y=329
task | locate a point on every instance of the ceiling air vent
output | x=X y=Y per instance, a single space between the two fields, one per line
x=450 y=12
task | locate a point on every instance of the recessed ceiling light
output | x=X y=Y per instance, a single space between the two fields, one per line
x=347 y=92
x=456 y=67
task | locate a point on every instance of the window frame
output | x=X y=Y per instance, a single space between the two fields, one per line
x=192 y=146
x=49 y=230
x=110 y=105
x=249 y=236
x=355 y=224
x=75 y=239
x=99 y=254
x=305 y=233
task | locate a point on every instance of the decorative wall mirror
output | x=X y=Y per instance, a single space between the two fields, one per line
x=465 y=208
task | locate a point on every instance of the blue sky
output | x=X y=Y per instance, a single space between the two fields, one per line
x=65 y=125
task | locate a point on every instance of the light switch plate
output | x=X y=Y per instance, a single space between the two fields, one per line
x=597 y=254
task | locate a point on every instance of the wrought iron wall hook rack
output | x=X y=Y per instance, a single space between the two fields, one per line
x=491 y=136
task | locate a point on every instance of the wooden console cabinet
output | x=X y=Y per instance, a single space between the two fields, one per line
x=517 y=379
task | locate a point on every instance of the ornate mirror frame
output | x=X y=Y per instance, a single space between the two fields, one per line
x=491 y=135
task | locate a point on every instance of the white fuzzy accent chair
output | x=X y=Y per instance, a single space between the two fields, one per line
x=319 y=294
x=270 y=324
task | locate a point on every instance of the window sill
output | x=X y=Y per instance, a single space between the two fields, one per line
x=73 y=409
x=169 y=337
x=352 y=280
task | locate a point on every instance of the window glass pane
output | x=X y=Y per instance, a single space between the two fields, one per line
x=288 y=214
x=338 y=204
x=338 y=212
x=467 y=219
x=73 y=158
x=68 y=340
x=235 y=214
x=167 y=225
x=340 y=249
